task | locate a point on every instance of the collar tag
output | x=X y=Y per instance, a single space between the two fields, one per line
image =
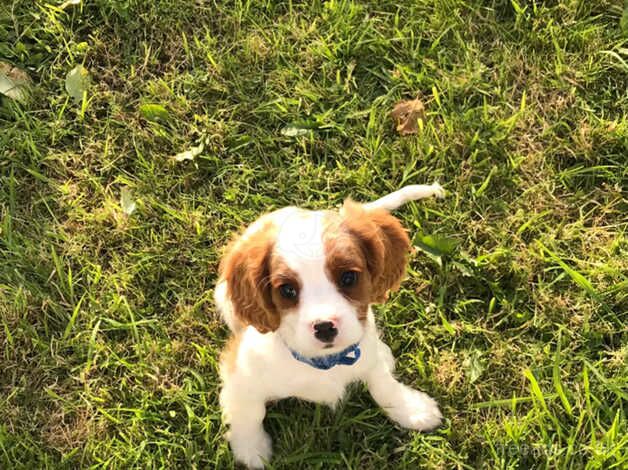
x=346 y=357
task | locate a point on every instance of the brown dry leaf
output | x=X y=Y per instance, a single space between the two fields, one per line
x=406 y=115
x=14 y=82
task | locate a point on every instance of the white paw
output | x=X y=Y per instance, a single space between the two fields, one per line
x=252 y=450
x=417 y=411
x=438 y=191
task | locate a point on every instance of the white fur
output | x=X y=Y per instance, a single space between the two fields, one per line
x=393 y=201
x=264 y=368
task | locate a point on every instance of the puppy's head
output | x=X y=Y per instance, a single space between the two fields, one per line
x=312 y=275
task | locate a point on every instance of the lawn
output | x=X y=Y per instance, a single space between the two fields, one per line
x=514 y=311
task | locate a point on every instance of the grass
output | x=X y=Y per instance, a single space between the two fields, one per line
x=108 y=337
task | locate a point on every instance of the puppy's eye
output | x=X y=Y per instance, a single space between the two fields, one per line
x=348 y=278
x=288 y=291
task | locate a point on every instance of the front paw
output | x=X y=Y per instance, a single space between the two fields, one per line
x=417 y=411
x=252 y=450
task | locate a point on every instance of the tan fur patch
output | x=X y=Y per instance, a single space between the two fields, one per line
x=246 y=268
x=343 y=253
x=281 y=274
x=384 y=243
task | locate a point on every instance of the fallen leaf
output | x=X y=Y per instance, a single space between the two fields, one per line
x=154 y=112
x=190 y=154
x=435 y=244
x=77 y=83
x=294 y=130
x=473 y=365
x=406 y=114
x=126 y=201
x=14 y=82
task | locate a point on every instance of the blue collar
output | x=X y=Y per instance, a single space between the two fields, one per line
x=346 y=357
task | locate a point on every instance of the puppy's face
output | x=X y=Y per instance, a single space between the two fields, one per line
x=311 y=276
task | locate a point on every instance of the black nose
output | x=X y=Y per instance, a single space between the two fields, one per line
x=325 y=331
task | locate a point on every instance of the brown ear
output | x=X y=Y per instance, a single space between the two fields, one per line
x=246 y=268
x=385 y=243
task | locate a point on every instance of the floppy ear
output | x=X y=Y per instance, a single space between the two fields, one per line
x=246 y=269
x=385 y=244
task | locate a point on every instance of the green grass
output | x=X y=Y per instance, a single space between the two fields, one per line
x=108 y=338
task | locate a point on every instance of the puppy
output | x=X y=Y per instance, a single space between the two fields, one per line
x=296 y=290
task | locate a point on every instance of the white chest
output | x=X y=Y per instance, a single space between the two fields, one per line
x=321 y=386
x=291 y=378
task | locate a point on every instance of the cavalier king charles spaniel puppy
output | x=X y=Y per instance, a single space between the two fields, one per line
x=296 y=289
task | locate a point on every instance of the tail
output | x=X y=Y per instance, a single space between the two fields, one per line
x=406 y=194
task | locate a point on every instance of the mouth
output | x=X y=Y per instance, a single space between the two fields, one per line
x=328 y=346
